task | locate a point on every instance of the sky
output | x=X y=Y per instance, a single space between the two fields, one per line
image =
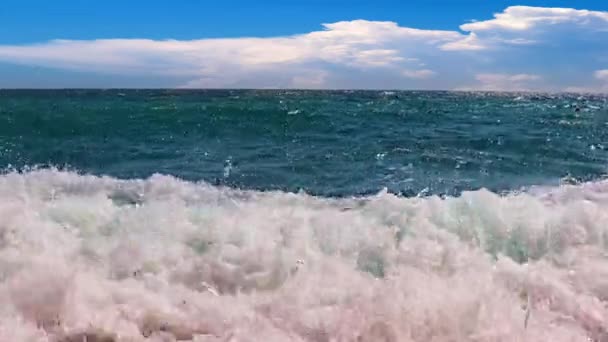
x=312 y=44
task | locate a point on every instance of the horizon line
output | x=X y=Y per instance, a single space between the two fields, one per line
x=307 y=89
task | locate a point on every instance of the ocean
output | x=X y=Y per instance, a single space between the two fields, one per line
x=266 y=215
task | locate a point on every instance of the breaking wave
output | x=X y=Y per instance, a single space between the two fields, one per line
x=101 y=259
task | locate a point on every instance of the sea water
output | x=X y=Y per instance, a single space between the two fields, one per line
x=154 y=215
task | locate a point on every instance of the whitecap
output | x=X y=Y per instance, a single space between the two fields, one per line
x=161 y=258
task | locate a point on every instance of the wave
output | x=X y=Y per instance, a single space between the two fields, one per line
x=163 y=259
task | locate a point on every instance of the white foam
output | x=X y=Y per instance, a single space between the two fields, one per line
x=163 y=260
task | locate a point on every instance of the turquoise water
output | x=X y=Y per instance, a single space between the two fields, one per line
x=137 y=216
x=332 y=143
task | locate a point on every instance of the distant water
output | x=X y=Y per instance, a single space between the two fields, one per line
x=155 y=215
x=327 y=143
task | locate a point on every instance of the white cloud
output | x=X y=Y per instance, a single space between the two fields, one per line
x=521 y=18
x=418 y=74
x=597 y=84
x=470 y=42
x=602 y=75
x=358 y=44
x=505 y=82
x=557 y=47
x=311 y=80
x=519 y=41
x=525 y=25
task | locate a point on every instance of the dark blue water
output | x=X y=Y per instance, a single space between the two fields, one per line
x=332 y=143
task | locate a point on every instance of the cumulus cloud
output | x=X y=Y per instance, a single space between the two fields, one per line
x=524 y=18
x=533 y=47
x=471 y=42
x=525 y=25
x=358 y=45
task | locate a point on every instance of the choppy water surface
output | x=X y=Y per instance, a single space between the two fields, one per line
x=424 y=216
x=326 y=143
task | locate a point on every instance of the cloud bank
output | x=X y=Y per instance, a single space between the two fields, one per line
x=521 y=48
x=505 y=82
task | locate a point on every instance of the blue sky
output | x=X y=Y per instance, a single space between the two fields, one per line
x=284 y=44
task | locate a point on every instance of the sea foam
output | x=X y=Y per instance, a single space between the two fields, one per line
x=86 y=258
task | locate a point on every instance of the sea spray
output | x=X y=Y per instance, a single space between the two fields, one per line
x=190 y=261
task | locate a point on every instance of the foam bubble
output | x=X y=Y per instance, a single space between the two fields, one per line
x=101 y=259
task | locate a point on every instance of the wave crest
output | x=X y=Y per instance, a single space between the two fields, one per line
x=165 y=259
